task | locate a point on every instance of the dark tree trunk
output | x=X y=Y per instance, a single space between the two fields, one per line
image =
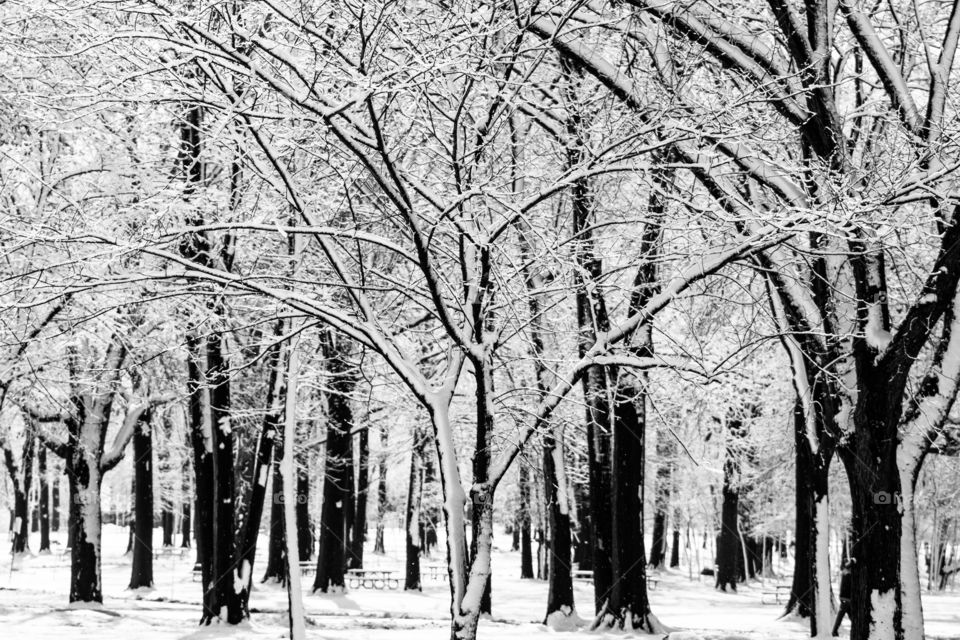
x=583 y=548
x=21 y=534
x=729 y=548
x=360 y=517
x=523 y=523
x=223 y=593
x=665 y=454
x=185 y=516
x=481 y=456
x=675 y=549
x=801 y=590
x=213 y=460
x=331 y=549
x=413 y=515
x=658 y=550
x=141 y=573
x=55 y=507
x=276 y=569
x=22 y=483
x=615 y=434
x=304 y=533
x=167 y=524
x=266 y=440
x=382 y=489
x=560 y=590
x=44 y=500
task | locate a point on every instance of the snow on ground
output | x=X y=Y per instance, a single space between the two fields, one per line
x=33 y=604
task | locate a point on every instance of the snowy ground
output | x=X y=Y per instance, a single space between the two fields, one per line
x=33 y=601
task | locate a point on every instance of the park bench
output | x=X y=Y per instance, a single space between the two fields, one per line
x=780 y=594
x=372 y=579
x=307 y=567
x=582 y=575
x=197 y=572
x=168 y=552
x=435 y=571
x=585 y=575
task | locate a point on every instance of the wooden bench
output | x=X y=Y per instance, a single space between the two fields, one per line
x=780 y=594
x=308 y=567
x=372 y=579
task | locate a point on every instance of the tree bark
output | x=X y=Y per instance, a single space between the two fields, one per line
x=276 y=559
x=729 y=549
x=331 y=549
x=44 y=507
x=141 y=573
x=363 y=484
x=382 y=489
x=523 y=523
x=413 y=514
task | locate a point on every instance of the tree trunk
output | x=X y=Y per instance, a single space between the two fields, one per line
x=276 y=560
x=665 y=453
x=363 y=484
x=331 y=549
x=523 y=523
x=560 y=591
x=266 y=440
x=44 y=500
x=22 y=482
x=296 y=617
x=413 y=515
x=141 y=574
x=658 y=550
x=167 y=525
x=729 y=551
x=55 y=508
x=186 y=499
x=382 y=489
x=185 y=524
x=304 y=533
x=483 y=375
x=675 y=548
x=83 y=469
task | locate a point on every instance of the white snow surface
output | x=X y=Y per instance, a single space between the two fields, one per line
x=33 y=603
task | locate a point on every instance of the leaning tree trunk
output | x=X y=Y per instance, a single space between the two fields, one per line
x=141 y=572
x=250 y=532
x=331 y=549
x=414 y=502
